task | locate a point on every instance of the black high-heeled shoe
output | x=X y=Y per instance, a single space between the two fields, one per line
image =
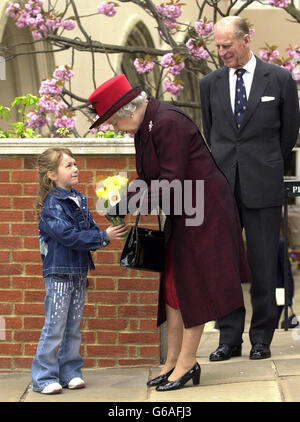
x=193 y=373
x=161 y=379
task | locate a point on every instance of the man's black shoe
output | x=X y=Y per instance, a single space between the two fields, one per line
x=260 y=351
x=225 y=352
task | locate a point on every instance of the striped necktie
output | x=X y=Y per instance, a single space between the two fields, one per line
x=240 y=97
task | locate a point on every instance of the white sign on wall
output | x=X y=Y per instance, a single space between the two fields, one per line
x=2 y=69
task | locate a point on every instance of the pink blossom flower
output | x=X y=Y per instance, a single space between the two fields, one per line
x=296 y=76
x=65 y=122
x=43 y=29
x=34 y=20
x=13 y=10
x=50 y=87
x=204 y=27
x=104 y=127
x=143 y=66
x=68 y=24
x=47 y=104
x=197 y=50
x=53 y=23
x=278 y=3
x=37 y=34
x=50 y=100
x=169 y=11
x=30 y=14
x=171 y=25
x=289 y=66
x=173 y=63
x=60 y=108
x=34 y=5
x=63 y=73
x=21 y=21
x=269 y=55
x=107 y=9
x=35 y=120
x=174 y=87
x=251 y=32
x=294 y=53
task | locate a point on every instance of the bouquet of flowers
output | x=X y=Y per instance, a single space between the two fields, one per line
x=109 y=192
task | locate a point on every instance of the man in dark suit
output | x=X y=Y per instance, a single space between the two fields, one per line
x=251 y=122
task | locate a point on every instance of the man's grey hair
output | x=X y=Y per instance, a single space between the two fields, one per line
x=129 y=108
x=238 y=24
x=241 y=28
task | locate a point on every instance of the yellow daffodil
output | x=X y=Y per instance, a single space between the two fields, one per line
x=109 y=192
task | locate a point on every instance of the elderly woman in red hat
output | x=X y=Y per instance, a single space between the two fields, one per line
x=205 y=262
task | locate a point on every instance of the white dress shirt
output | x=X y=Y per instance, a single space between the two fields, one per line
x=247 y=77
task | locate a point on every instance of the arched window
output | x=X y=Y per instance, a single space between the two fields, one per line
x=140 y=36
x=23 y=72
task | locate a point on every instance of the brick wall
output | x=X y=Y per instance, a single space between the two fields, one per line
x=119 y=323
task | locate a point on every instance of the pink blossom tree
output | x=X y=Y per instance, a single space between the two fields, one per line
x=193 y=56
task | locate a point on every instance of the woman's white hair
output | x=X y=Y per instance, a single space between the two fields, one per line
x=129 y=108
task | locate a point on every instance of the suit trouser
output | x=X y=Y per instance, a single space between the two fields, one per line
x=262 y=227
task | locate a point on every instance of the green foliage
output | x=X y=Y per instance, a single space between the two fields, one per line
x=26 y=101
x=19 y=129
x=63 y=132
x=109 y=134
x=5 y=112
x=24 y=104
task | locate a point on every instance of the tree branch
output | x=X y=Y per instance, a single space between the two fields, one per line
x=244 y=6
x=293 y=11
x=25 y=53
x=99 y=47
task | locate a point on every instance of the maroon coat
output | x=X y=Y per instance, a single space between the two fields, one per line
x=209 y=260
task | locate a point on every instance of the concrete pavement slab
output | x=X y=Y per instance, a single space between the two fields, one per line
x=286 y=367
x=290 y=387
x=103 y=385
x=285 y=344
x=237 y=371
x=13 y=386
x=216 y=373
x=258 y=391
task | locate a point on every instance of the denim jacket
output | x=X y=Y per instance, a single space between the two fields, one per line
x=67 y=234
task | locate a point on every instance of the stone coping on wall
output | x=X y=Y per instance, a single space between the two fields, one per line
x=84 y=146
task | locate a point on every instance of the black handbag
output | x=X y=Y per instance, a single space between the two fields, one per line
x=144 y=248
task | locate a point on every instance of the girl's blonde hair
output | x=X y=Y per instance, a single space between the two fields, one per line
x=49 y=160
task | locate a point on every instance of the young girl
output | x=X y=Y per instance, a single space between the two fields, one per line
x=67 y=234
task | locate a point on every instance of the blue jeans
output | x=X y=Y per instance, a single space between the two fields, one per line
x=57 y=357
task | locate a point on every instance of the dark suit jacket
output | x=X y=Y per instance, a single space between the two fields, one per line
x=268 y=132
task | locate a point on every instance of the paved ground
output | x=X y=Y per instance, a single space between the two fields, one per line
x=238 y=380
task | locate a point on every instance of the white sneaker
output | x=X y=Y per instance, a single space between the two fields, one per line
x=52 y=388
x=76 y=383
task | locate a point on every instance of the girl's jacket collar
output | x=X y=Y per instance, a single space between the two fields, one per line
x=61 y=193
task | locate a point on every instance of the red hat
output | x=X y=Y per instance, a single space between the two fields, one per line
x=111 y=96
